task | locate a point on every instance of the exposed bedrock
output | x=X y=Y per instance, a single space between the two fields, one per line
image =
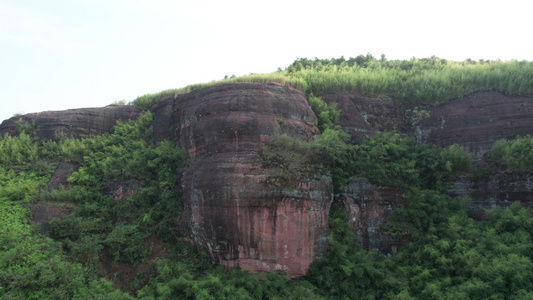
x=477 y=121
x=227 y=208
x=72 y=122
x=362 y=116
x=44 y=211
x=495 y=190
x=368 y=208
x=242 y=221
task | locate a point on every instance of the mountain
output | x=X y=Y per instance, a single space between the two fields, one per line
x=267 y=164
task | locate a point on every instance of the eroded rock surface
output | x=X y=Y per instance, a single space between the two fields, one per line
x=72 y=122
x=228 y=209
x=477 y=121
x=240 y=220
x=369 y=207
x=44 y=211
x=363 y=116
x=495 y=190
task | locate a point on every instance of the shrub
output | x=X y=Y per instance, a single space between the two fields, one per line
x=517 y=154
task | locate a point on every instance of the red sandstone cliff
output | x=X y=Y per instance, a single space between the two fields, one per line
x=241 y=221
x=228 y=209
x=72 y=122
x=369 y=207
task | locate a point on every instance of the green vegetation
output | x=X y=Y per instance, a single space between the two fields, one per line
x=457 y=258
x=328 y=115
x=416 y=81
x=516 y=155
x=116 y=245
x=386 y=160
x=419 y=81
x=148 y=100
x=33 y=266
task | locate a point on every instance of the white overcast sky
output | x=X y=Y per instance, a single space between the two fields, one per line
x=61 y=54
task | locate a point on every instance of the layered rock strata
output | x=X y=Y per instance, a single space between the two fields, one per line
x=363 y=116
x=227 y=206
x=72 y=122
x=44 y=211
x=477 y=121
x=495 y=190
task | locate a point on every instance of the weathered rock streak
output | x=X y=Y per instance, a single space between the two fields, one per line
x=228 y=209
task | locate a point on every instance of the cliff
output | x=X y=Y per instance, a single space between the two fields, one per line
x=363 y=116
x=73 y=122
x=228 y=208
x=477 y=121
x=474 y=122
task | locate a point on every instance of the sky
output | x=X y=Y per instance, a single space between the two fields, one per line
x=62 y=54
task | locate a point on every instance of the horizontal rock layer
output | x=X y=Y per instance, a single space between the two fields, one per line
x=477 y=121
x=363 y=116
x=496 y=190
x=72 y=122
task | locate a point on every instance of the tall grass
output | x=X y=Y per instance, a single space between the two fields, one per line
x=419 y=81
x=148 y=100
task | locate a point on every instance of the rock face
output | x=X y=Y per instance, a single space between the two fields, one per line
x=477 y=121
x=496 y=190
x=227 y=207
x=44 y=211
x=368 y=208
x=240 y=220
x=72 y=122
x=362 y=116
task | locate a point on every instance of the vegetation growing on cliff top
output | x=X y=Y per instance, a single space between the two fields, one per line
x=416 y=81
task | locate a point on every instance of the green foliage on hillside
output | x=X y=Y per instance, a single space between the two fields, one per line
x=122 y=158
x=327 y=114
x=456 y=258
x=33 y=266
x=450 y=255
x=516 y=155
x=386 y=160
x=174 y=279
